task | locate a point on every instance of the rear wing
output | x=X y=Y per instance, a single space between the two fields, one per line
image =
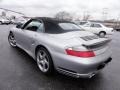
x=101 y=43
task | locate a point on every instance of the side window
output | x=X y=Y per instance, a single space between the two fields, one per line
x=96 y=25
x=41 y=28
x=33 y=25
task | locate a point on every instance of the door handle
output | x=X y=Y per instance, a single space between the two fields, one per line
x=33 y=42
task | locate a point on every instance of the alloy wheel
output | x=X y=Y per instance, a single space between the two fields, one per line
x=42 y=61
x=12 y=40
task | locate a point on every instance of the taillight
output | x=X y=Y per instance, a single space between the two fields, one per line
x=83 y=54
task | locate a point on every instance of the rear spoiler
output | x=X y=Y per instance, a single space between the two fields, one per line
x=101 y=43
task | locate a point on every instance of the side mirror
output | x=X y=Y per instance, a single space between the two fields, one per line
x=19 y=25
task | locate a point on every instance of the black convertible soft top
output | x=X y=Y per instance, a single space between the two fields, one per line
x=53 y=20
x=51 y=24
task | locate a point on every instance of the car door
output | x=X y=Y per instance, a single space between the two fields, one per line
x=30 y=31
x=26 y=37
x=95 y=28
x=86 y=26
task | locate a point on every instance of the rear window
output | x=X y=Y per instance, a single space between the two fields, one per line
x=69 y=26
x=56 y=28
x=82 y=23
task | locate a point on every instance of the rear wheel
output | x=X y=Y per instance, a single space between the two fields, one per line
x=44 y=61
x=102 y=34
x=12 y=40
x=0 y=23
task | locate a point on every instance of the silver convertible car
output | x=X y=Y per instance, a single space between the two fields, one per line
x=62 y=46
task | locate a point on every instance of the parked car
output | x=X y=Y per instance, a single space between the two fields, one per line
x=21 y=21
x=18 y=21
x=4 y=21
x=98 y=28
x=62 y=46
x=117 y=26
x=13 y=21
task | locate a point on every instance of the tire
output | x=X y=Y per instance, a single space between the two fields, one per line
x=0 y=23
x=11 y=40
x=102 y=34
x=44 y=61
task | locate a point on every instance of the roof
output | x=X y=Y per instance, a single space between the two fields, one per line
x=48 y=19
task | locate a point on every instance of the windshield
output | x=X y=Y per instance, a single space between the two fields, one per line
x=69 y=26
x=82 y=23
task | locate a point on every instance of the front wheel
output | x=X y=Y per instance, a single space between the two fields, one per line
x=12 y=40
x=44 y=61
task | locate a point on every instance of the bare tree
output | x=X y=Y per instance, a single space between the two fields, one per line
x=86 y=17
x=63 y=15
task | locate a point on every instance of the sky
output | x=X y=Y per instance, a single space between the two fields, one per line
x=76 y=7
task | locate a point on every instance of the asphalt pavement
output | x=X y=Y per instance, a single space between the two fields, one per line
x=18 y=71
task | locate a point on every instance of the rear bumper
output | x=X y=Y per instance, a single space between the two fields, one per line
x=76 y=75
x=86 y=75
x=110 y=33
x=81 y=67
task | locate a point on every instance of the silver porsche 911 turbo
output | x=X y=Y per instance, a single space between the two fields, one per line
x=61 y=45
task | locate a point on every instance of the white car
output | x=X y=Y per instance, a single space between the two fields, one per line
x=98 y=28
x=17 y=21
x=4 y=21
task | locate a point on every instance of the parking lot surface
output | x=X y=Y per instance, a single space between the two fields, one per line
x=18 y=71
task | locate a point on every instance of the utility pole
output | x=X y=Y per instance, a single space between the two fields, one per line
x=105 y=14
x=86 y=15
